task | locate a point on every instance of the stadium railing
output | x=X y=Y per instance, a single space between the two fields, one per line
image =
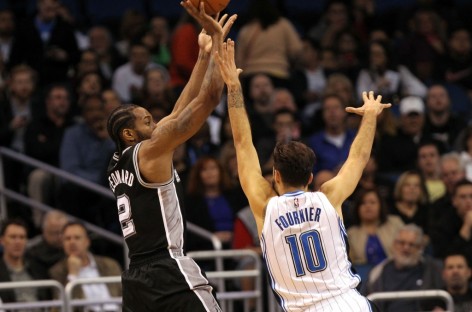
x=227 y=297
x=14 y=306
x=110 y=236
x=414 y=294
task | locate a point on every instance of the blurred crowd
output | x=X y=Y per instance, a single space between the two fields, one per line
x=411 y=215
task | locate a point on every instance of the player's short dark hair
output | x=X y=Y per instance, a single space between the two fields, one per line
x=294 y=160
x=120 y=118
x=14 y=221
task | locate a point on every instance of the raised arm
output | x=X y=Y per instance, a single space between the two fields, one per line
x=341 y=187
x=155 y=154
x=193 y=87
x=257 y=190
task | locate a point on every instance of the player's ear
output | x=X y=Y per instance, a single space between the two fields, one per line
x=310 y=180
x=128 y=135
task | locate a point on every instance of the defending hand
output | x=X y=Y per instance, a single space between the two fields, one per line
x=370 y=103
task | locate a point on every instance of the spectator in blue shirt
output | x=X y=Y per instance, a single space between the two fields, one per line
x=331 y=144
x=85 y=152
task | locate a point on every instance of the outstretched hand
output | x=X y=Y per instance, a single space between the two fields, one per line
x=370 y=103
x=211 y=26
x=204 y=40
x=225 y=60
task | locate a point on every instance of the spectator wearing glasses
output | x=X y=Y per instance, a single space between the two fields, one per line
x=408 y=269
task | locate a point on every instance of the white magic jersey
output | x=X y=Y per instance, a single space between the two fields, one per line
x=304 y=244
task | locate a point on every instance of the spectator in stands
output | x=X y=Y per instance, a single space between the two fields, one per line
x=441 y=123
x=286 y=127
x=429 y=167
x=373 y=229
x=213 y=204
x=43 y=138
x=423 y=47
x=111 y=100
x=7 y=30
x=333 y=142
x=371 y=179
x=334 y=20
x=15 y=266
x=88 y=84
x=452 y=172
x=46 y=249
x=260 y=111
x=411 y=200
x=466 y=151
x=85 y=151
x=308 y=79
x=408 y=269
x=47 y=43
x=157 y=39
x=341 y=85
x=267 y=43
x=20 y=106
x=184 y=51
x=81 y=263
x=156 y=91
x=385 y=77
x=459 y=228
x=397 y=153
x=349 y=50
x=132 y=26
x=16 y=113
x=458 y=59
x=456 y=275
x=128 y=78
x=88 y=63
x=108 y=57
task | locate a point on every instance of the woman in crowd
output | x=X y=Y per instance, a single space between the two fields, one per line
x=372 y=231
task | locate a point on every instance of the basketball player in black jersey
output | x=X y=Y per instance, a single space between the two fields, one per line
x=147 y=188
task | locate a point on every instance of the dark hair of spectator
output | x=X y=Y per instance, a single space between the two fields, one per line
x=195 y=184
x=75 y=223
x=358 y=200
x=461 y=183
x=13 y=221
x=264 y=12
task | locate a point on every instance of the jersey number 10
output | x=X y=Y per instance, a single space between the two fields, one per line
x=311 y=250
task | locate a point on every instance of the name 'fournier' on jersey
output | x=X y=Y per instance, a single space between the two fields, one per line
x=298 y=217
x=120 y=176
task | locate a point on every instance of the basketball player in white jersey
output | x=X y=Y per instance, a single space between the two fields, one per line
x=302 y=235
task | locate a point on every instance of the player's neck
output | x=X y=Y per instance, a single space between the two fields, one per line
x=291 y=189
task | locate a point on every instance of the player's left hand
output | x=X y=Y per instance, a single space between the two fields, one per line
x=211 y=26
x=371 y=103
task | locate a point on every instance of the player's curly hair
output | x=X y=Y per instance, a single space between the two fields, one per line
x=120 y=118
x=294 y=160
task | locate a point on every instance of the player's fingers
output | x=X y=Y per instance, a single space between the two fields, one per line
x=239 y=70
x=371 y=95
x=386 y=105
x=379 y=98
x=354 y=110
x=223 y=19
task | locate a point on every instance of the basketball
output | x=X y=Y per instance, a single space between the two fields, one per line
x=211 y=6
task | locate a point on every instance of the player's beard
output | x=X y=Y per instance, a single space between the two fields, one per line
x=141 y=136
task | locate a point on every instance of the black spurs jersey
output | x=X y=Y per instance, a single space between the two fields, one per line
x=150 y=214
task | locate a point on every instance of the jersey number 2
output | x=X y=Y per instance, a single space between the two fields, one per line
x=311 y=250
x=124 y=213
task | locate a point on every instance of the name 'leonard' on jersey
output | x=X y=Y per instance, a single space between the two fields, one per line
x=151 y=214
